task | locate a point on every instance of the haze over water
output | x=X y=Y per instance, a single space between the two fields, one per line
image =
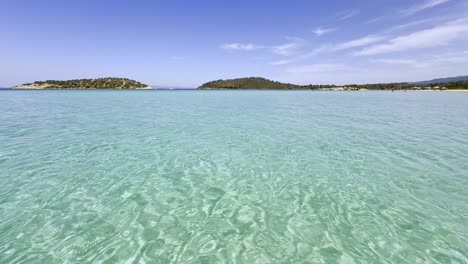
x=233 y=176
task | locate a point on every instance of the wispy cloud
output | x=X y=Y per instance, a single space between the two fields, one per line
x=360 y=42
x=320 y=31
x=376 y=19
x=454 y=57
x=300 y=57
x=426 y=21
x=349 y=14
x=408 y=62
x=437 y=36
x=288 y=48
x=284 y=49
x=314 y=68
x=427 y=61
x=281 y=62
x=355 y=43
x=240 y=47
x=422 y=6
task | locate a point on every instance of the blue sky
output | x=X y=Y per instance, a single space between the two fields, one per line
x=186 y=43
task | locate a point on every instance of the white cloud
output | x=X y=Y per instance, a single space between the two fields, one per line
x=428 y=61
x=360 y=42
x=460 y=57
x=288 y=48
x=367 y=40
x=299 y=58
x=432 y=61
x=240 y=46
x=349 y=14
x=422 y=6
x=285 y=49
x=314 y=68
x=281 y=62
x=425 y=21
x=390 y=69
x=437 y=36
x=376 y=19
x=397 y=61
x=322 y=31
x=407 y=62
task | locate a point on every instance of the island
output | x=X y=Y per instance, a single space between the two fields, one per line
x=99 y=83
x=461 y=83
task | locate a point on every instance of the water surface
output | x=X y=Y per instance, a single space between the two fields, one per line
x=233 y=176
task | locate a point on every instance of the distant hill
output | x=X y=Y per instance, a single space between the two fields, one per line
x=445 y=80
x=460 y=82
x=255 y=83
x=100 y=83
x=262 y=83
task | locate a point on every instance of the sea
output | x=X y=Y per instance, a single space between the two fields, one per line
x=256 y=176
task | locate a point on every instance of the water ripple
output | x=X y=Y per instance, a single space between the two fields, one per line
x=233 y=177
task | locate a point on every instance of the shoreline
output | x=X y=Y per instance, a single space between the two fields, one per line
x=226 y=89
x=457 y=90
x=40 y=88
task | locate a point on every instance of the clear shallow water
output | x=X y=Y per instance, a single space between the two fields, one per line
x=233 y=176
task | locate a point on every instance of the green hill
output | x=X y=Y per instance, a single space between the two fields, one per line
x=255 y=83
x=100 y=83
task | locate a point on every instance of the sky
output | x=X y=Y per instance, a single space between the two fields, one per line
x=177 y=43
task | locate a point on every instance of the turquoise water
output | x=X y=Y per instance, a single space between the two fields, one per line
x=233 y=176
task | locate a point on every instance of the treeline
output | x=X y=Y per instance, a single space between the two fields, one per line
x=103 y=83
x=458 y=85
x=382 y=86
x=462 y=85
